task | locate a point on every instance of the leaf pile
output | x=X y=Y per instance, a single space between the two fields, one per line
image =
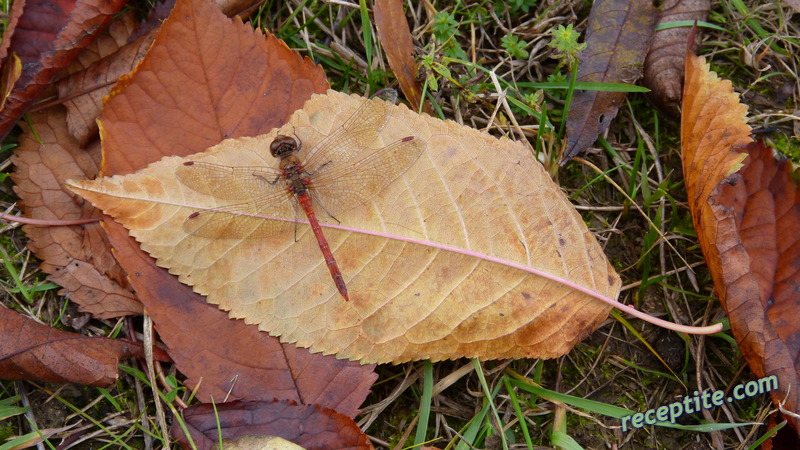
x=226 y=359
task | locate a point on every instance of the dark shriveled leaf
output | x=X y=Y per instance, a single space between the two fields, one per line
x=617 y=38
x=36 y=352
x=48 y=35
x=663 y=68
x=311 y=427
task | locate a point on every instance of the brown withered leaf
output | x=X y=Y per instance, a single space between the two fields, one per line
x=409 y=299
x=663 y=67
x=617 y=38
x=36 y=352
x=181 y=99
x=115 y=52
x=76 y=258
x=84 y=91
x=395 y=37
x=125 y=28
x=47 y=37
x=230 y=359
x=226 y=355
x=766 y=205
x=746 y=210
x=310 y=427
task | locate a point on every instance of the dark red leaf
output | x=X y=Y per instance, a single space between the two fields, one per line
x=32 y=351
x=311 y=427
x=47 y=35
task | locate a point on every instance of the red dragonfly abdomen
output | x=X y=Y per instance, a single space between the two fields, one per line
x=305 y=202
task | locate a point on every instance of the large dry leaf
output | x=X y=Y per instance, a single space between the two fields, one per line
x=617 y=38
x=663 y=67
x=47 y=37
x=747 y=216
x=32 y=351
x=308 y=426
x=76 y=258
x=410 y=300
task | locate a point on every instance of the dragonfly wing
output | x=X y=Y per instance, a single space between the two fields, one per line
x=355 y=135
x=244 y=220
x=355 y=184
x=229 y=183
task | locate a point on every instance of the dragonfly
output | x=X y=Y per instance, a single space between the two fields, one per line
x=340 y=173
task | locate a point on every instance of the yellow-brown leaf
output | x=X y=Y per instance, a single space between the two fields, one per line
x=409 y=301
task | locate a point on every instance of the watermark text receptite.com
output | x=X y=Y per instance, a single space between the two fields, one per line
x=692 y=404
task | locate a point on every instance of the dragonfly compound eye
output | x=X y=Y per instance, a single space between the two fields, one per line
x=282 y=145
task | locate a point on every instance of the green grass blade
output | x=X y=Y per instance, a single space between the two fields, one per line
x=425 y=402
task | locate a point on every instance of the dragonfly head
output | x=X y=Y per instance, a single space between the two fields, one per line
x=283 y=146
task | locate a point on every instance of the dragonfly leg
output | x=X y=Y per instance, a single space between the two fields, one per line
x=318 y=169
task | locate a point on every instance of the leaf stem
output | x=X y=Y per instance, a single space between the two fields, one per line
x=709 y=329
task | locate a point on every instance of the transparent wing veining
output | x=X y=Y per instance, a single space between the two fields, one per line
x=253 y=187
x=230 y=183
x=244 y=220
x=352 y=138
x=353 y=185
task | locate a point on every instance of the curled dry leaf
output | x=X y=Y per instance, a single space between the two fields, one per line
x=32 y=351
x=617 y=38
x=663 y=67
x=9 y=74
x=76 y=258
x=410 y=299
x=47 y=36
x=746 y=210
x=307 y=426
x=115 y=52
x=395 y=37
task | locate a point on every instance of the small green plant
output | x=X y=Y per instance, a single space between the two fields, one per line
x=445 y=31
x=435 y=67
x=566 y=45
x=514 y=46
